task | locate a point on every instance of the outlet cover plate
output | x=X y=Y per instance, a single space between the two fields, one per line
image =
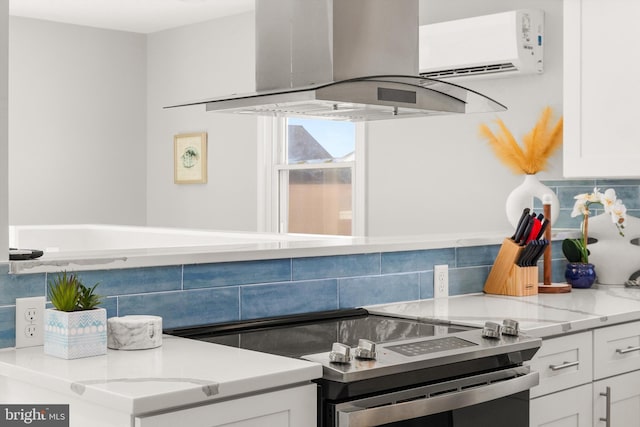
x=440 y=281
x=30 y=321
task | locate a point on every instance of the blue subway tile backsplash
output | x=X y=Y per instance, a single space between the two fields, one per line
x=335 y=266
x=359 y=291
x=19 y=286
x=191 y=295
x=400 y=262
x=468 y=280
x=134 y=280
x=236 y=273
x=277 y=299
x=185 y=308
x=7 y=326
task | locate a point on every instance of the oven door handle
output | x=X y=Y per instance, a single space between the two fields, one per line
x=356 y=414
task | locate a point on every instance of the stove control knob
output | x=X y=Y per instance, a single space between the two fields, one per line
x=366 y=350
x=510 y=327
x=340 y=353
x=491 y=330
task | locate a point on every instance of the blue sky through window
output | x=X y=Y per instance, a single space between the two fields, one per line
x=338 y=138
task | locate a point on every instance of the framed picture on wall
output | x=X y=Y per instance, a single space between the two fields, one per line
x=190 y=158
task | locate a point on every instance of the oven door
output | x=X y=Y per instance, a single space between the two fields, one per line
x=493 y=399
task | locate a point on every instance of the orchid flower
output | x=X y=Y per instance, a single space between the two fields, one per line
x=608 y=200
x=612 y=206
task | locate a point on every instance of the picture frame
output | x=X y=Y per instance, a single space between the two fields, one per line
x=190 y=158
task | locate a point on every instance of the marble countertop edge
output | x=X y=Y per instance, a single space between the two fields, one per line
x=150 y=257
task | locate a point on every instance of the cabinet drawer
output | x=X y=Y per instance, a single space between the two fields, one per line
x=616 y=349
x=568 y=408
x=291 y=407
x=563 y=362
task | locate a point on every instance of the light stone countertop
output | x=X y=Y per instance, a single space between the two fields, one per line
x=541 y=315
x=180 y=372
x=284 y=248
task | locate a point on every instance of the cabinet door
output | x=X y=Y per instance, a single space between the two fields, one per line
x=623 y=408
x=562 y=363
x=284 y=408
x=601 y=89
x=616 y=350
x=568 y=408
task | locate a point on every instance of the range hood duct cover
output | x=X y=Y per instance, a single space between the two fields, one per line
x=352 y=60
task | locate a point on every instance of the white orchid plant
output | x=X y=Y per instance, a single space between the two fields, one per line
x=575 y=250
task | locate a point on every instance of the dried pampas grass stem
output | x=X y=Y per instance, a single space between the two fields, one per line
x=538 y=145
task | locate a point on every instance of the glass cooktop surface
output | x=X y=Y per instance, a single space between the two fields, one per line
x=315 y=336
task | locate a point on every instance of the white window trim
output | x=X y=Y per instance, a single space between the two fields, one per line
x=270 y=130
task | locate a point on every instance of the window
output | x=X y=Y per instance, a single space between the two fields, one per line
x=314 y=185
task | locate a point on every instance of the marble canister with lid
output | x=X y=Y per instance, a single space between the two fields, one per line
x=135 y=332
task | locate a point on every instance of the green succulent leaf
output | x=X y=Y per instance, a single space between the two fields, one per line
x=64 y=292
x=67 y=293
x=88 y=299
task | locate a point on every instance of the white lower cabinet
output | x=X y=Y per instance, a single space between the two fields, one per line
x=567 y=408
x=617 y=399
x=294 y=407
x=616 y=350
x=563 y=362
x=563 y=397
x=616 y=391
x=588 y=379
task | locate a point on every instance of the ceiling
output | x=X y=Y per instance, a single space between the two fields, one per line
x=139 y=16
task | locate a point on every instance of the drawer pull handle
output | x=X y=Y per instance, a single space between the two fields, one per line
x=564 y=365
x=607 y=417
x=627 y=350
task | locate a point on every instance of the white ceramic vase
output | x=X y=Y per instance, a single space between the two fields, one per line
x=522 y=197
x=615 y=257
x=75 y=334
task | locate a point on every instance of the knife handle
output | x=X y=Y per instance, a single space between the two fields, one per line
x=534 y=230
x=524 y=255
x=521 y=224
x=522 y=228
x=543 y=228
x=523 y=238
x=539 y=252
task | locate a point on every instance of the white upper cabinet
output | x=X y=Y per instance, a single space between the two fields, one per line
x=601 y=88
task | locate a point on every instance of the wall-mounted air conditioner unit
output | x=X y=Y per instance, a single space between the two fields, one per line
x=492 y=45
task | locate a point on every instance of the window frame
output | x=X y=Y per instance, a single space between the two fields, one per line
x=272 y=208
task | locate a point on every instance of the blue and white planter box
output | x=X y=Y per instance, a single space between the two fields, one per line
x=75 y=334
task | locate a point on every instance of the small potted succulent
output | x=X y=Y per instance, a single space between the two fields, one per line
x=76 y=327
x=580 y=273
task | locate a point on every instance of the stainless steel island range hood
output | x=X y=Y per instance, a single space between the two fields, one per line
x=352 y=60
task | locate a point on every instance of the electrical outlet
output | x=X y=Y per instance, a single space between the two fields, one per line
x=31 y=331
x=440 y=281
x=31 y=314
x=30 y=321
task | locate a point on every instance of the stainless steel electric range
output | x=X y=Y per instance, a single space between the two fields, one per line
x=387 y=371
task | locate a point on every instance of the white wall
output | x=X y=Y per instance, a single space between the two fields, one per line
x=424 y=175
x=441 y=173
x=4 y=124
x=77 y=129
x=196 y=62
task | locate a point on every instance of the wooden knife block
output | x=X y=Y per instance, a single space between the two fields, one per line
x=506 y=278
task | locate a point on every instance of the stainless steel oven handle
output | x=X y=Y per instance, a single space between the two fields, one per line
x=352 y=414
